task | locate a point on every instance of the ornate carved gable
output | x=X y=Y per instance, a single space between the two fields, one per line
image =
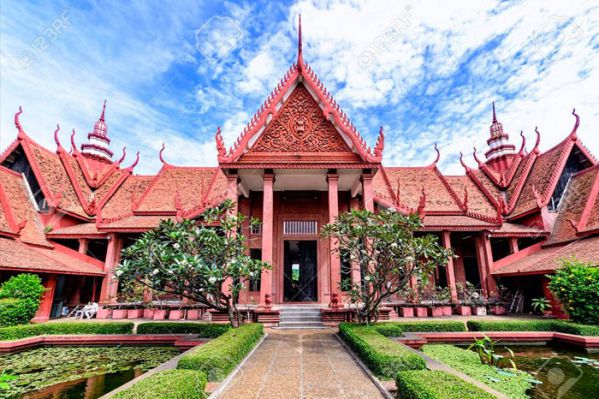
x=300 y=126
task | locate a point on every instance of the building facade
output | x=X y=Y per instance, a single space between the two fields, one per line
x=67 y=213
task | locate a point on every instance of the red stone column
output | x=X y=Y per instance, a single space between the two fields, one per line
x=367 y=192
x=449 y=270
x=514 y=244
x=110 y=284
x=43 y=312
x=356 y=274
x=485 y=264
x=334 y=260
x=267 y=237
x=83 y=245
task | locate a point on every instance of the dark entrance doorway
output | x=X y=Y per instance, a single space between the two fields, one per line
x=300 y=271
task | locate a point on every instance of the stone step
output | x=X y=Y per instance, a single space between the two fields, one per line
x=300 y=318
x=301 y=324
x=295 y=311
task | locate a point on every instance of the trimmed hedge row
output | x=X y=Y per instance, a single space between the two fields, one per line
x=396 y=329
x=204 y=330
x=425 y=384
x=218 y=357
x=383 y=356
x=533 y=325
x=30 y=330
x=168 y=384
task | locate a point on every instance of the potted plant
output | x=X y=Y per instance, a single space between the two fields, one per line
x=463 y=308
x=176 y=314
x=407 y=310
x=440 y=306
x=497 y=301
x=479 y=307
x=541 y=305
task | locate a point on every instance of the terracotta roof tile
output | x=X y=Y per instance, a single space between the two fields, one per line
x=19 y=256
x=134 y=223
x=516 y=228
x=477 y=201
x=120 y=204
x=548 y=259
x=457 y=220
x=83 y=229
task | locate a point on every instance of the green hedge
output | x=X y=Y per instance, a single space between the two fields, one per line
x=16 y=311
x=218 y=357
x=168 y=384
x=533 y=325
x=204 y=330
x=383 y=356
x=396 y=329
x=514 y=385
x=30 y=330
x=425 y=384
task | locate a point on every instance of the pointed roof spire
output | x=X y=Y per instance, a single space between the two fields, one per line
x=494 y=115
x=300 y=57
x=103 y=111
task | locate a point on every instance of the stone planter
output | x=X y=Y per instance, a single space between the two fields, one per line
x=497 y=309
x=103 y=313
x=119 y=314
x=436 y=311
x=135 y=313
x=193 y=314
x=479 y=310
x=463 y=310
x=446 y=309
x=176 y=314
x=148 y=313
x=406 y=312
x=421 y=311
x=159 y=314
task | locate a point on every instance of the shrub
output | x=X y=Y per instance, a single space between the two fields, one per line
x=425 y=384
x=16 y=311
x=396 y=329
x=168 y=384
x=23 y=286
x=576 y=285
x=533 y=325
x=30 y=330
x=383 y=356
x=204 y=330
x=514 y=385
x=218 y=357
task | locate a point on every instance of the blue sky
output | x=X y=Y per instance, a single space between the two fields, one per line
x=175 y=72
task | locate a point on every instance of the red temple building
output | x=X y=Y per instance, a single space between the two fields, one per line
x=66 y=213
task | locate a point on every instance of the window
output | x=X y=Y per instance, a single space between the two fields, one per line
x=255 y=253
x=346 y=279
x=256 y=229
x=300 y=227
x=575 y=163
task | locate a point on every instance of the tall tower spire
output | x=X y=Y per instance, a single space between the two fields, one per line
x=98 y=144
x=300 y=57
x=499 y=141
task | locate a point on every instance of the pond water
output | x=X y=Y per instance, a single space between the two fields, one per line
x=563 y=374
x=77 y=372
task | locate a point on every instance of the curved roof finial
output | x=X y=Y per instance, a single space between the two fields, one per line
x=17 y=122
x=478 y=161
x=536 y=148
x=57 y=140
x=220 y=143
x=576 y=124
x=73 y=146
x=103 y=111
x=438 y=154
x=122 y=158
x=134 y=164
x=380 y=144
x=494 y=115
x=300 y=57
x=523 y=146
x=160 y=155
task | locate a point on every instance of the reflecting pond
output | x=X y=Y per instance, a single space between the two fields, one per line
x=562 y=374
x=77 y=372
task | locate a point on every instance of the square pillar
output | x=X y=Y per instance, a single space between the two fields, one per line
x=367 y=192
x=267 y=239
x=110 y=284
x=484 y=257
x=514 y=244
x=356 y=273
x=43 y=312
x=449 y=269
x=334 y=259
x=83 y=245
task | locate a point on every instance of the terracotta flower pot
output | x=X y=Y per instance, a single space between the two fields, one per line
x=497 y=309
x=119 y=314
x=176 y=314
x=159 y=314
x=436 y=311
x=446 y=310
x=479 y=310
x=103 y=313
x=193 y=314
x=135 y=313
x=406 y=312
x=464 y=310
x=421 y=311
x=148 y=313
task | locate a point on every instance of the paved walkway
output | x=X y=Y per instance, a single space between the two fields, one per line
x=301 y=364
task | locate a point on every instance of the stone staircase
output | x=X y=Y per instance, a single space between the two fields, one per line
x=300 y=317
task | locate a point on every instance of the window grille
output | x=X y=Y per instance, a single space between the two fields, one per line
x=300 y=227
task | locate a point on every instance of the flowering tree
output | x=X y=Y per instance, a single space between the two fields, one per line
x=204 y=261
x=382 y=246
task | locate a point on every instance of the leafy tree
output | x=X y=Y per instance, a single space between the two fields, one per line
x=382 y=246
x=204 y=261
x=576 y=285
x=20 y=297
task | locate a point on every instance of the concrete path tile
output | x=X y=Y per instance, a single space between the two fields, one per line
x=303 y=364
